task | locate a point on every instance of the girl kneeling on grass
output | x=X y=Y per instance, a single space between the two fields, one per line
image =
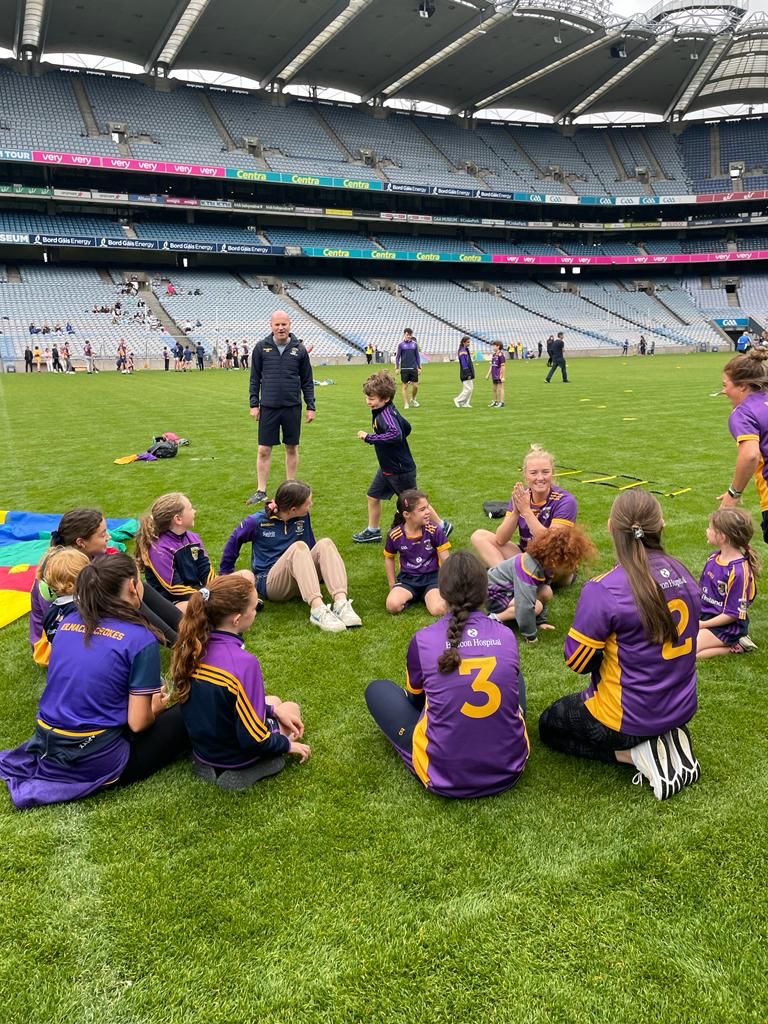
x=728 y=585
x=422 y=547
x=519 y=588
x=458 y=724
x=102 y=718
x=238 y=734
x=287 y=561
x=635 y=632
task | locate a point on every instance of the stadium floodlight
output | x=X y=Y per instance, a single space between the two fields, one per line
x=426 y=8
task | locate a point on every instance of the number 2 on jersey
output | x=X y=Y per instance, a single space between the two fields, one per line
x=677 y=650
x=481 y=684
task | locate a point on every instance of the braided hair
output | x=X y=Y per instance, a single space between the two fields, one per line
x=463 y=585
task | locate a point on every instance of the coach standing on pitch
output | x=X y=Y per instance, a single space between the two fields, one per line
x=280 y=374
x=558 y=359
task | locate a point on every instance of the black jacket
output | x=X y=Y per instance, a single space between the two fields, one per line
x=280 y=380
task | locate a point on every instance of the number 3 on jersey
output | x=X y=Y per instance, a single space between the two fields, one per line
x=481 y=684
x=670 y=650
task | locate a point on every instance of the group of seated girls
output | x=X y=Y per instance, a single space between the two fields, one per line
x=107 y=719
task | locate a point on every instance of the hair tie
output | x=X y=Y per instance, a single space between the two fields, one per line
x=204 y=592
x=638 y=531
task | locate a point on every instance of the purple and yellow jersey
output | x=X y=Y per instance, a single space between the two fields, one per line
x=749 y=422
x=226 y=715
x=178 y=565
x=470 y=739
x=727 y=588
x=89 y=683
x=407 y=355
x=497 y=362
x=559 y=508
x=37 y=614
x=638 y=687
x=418 y=555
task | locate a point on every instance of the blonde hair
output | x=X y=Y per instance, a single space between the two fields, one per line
x=61 y=569
x=157 y=521
x=537 y=451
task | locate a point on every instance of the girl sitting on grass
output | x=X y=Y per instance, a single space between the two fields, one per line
x=728 y=585
x=175 y=561
x=239 y=735
x=56 y=577
x=634 y=632
x=458 y=724
x=519 y=588
x=422 y=547
x=102 y=719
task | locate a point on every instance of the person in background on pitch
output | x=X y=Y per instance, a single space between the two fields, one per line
x=466 y=375
x=397 y=469
x=288 y=562
x=497 y=373
x=634 y=632
x=408 y=362
x=558 y=359
x=280 y=374
x=728 y=585
x=369 y=353
x=239 y=735
x=200 y=352
x=166 y=358
x=244 y=354
x=458 y=725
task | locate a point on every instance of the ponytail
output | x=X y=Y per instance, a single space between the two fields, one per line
x=206 y=610
x=737 y=527
x=156 y=521
x=636 y=525
x=97 y=593
x=77 y=524
x=463 y=585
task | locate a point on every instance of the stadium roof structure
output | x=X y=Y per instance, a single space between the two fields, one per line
x=562 y=58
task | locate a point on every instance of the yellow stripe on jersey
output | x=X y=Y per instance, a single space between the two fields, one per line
x=582 y=638
x=245 y=710
x=605 y=704
x=409 y=685
x=580 y=657
x=530 y=572
x=761 y=485
x=389 y=554
x=747 y=437
x=67 y=732
x=419 y=755
x=562 y=522
x=443 y=547
x=173 y=588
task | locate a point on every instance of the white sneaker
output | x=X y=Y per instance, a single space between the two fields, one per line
x=343 y=610
x=467 y=405
x=414 y=403
x=406 y=406
x=653 y=760
x=457 y=403
x=326 y=619
x=684 y=760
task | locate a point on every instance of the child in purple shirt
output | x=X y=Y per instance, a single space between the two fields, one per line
x=175 y=561
x=634 y=632
x=727 y=585
x=496 y=371
x=422 y=547
x=458 y=725
x=239 y=735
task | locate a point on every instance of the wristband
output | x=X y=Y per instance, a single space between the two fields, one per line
x=734 y=493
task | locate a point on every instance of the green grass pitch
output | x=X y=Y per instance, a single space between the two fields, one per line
x=341 y=891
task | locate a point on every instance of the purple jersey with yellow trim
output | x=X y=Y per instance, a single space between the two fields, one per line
x=638 y=687
x=418 y=555
x=559 y=508
x=178 y=565
x=497 y=362
x=470 y=739
x=227 y=717
x=727 y=588
x=749 y=422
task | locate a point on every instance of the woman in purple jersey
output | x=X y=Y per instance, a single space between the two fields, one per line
x=745 y=383
x=239 y=735
x=728 y=585
x=101 y=720
x=532 y=509
x=422 y=547
x=458 y=724
x=634 y=632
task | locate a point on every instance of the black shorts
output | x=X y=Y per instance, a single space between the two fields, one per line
x=419 y=586
x=385 y=485
x=765 y=526
x=567 y=726
x=272 y=420
x=409 y=376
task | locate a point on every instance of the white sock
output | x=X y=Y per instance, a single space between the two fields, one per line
x=373 y=529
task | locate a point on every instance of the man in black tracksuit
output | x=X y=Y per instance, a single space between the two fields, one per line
x=280 y=374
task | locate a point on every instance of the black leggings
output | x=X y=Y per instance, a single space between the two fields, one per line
x=154 y=748
x=392 y=712
x=162 y=613
x=567 y=726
